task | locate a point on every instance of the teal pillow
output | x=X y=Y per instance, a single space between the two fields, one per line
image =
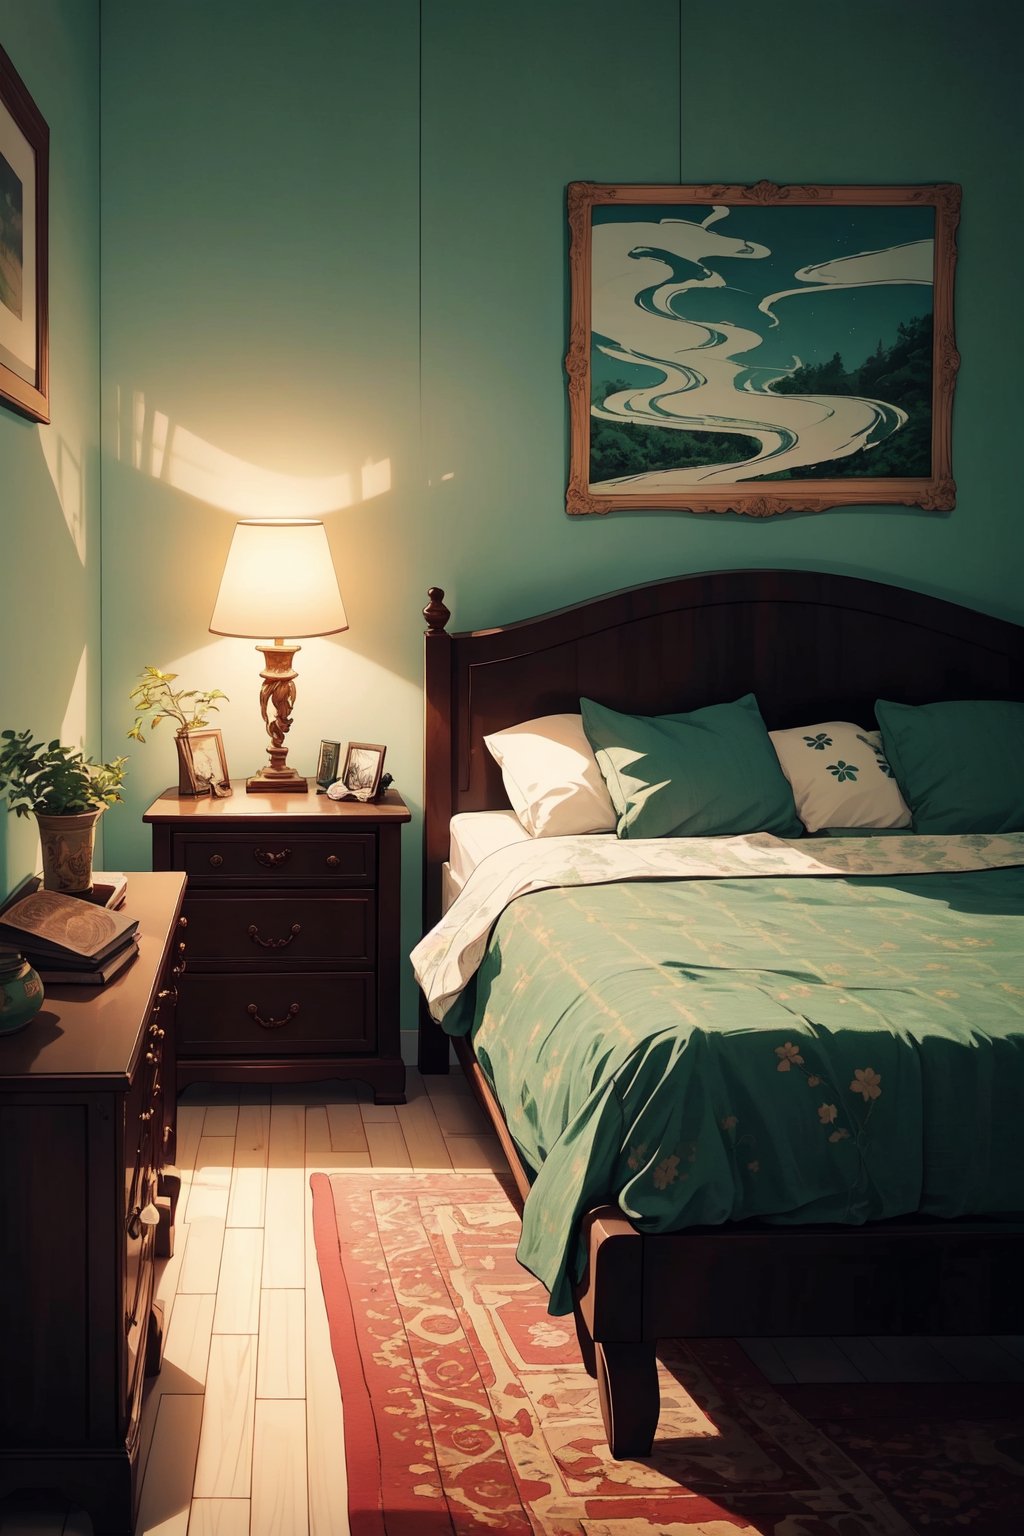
x=712 y=772
x=960 y=766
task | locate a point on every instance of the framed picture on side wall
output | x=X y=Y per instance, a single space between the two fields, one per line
x=761 y=349
x=24 y=249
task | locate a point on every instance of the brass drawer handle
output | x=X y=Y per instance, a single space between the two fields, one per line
x=271 y=858
x=216 y=859
x=333 y=861
x=254 y=1013
x=178 y=970
x=183 y=921
x=254 y=934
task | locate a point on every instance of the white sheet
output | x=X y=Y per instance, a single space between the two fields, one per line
x=475 y=834
x=445 y=959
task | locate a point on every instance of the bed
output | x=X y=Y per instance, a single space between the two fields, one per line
x=810 y=647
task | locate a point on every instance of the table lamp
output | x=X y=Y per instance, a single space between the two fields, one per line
x=278 y=580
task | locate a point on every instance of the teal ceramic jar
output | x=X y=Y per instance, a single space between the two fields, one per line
x=21 y=992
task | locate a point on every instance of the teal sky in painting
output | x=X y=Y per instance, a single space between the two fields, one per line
x=813 y=326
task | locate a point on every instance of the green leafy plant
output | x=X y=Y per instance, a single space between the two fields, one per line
x=53 y=779
x=153 y=695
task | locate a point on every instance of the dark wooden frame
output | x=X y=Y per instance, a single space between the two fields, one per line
x=812 y=647
x=760 y=498
x=190 y=781
x=31 y=397
x=364 y=746
x=328 y=760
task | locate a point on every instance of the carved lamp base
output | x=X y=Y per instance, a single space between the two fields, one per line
x=266 y=782
x=277 y=697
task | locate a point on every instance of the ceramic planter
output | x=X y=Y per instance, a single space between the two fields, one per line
x=68 y=843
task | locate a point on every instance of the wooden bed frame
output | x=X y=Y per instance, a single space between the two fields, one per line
x=811 y=647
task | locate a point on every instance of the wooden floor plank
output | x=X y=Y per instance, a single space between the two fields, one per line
x=980 y=1359
x=767 y=1359
x=458 y=1114
x=211 y=1181
x=200 y=1269
x=423 y=1135
x=248 y=1193
x=224 y=1465
x=238 y=1290
x=190 y=1127
x=387 y=1144
x=346 y=1128
x=279 y=1498
x=816 y=1359
x=318 y=1131
x=476 y=1152
x=167 y=1487
x=219 y=1517
x=221 y=1120
x=283 y=1252
x=912 y=1359
x=281 y=1367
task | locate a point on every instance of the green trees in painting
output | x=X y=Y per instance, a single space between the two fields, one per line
x=631 y=448
x=899 y=375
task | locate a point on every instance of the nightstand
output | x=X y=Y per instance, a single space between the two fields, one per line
x=292 y=908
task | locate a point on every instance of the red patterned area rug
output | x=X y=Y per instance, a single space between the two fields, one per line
x=467 y=1408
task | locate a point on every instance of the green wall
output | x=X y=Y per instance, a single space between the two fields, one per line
x=50 y=475
x=334 y=281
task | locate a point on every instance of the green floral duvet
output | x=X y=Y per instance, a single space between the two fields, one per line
x=700 y=1050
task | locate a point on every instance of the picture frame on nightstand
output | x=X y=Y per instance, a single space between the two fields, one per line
x=364 y=765
x=327 y=764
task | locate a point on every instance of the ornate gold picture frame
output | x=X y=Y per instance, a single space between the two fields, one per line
x=761 y=349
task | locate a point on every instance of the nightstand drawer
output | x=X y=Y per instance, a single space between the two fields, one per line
x=274 y=1014
x=278 y=855
x=296 y=928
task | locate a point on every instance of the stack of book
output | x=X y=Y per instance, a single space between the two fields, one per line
x=68 y=940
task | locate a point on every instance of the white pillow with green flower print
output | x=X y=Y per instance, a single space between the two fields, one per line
x=839 y=776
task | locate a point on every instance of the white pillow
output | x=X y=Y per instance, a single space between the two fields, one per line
x=551 y=777
x=839 y=776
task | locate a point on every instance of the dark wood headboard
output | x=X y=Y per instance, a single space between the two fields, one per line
x=810 y=646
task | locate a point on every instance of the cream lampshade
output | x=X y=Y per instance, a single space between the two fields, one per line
x=279 y=581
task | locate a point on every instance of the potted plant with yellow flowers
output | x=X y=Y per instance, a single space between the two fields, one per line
x=67 y=793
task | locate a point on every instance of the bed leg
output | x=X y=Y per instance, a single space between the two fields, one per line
x=585 y=1341
x=627 y=1384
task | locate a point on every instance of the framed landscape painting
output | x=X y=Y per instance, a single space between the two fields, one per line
x=24 y=194
x=761 y=349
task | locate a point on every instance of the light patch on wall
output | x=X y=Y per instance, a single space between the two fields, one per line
x=74 y=724
x=376 y=478
x=148 y=440
x=65 y=470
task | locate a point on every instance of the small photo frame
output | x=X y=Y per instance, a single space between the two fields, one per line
x=327 y=763
x=203 y=767
x=364 y=765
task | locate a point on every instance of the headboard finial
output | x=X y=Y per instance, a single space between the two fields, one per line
x=435 y=613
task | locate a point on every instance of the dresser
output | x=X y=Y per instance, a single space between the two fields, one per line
x=87 y=1197
x=293 y=936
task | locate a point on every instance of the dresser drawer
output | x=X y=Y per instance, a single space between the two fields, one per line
x=276 y=1014
x=293 y=928
x=279 y=856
